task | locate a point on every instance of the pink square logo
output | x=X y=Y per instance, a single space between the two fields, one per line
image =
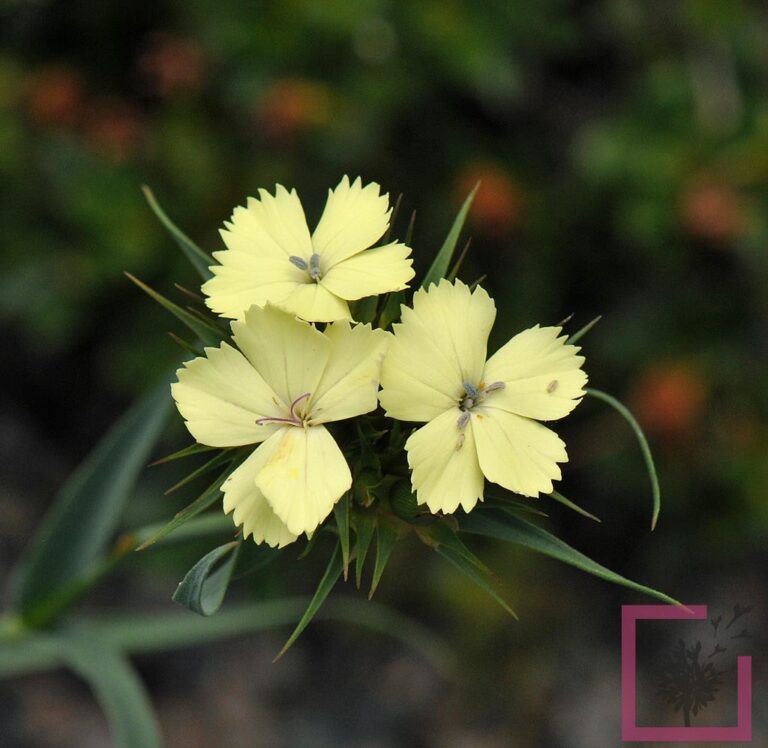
x=630 y=731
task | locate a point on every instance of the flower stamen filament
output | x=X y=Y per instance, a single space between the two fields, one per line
x=294 y=418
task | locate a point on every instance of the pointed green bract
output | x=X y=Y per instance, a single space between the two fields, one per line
x=579 y=334
x=441 y=263
x=390 y=311
x=203 y=588
x=331 y=576
x=199 y=259
x=644 y=448
x=441 y=537
x=192 y=449
x=386 y=537
x=207 y=333
x=364 y=526
x=212 y=464
x=575 y=507
x=75 y=533
x=521 y=532
x=341 y=513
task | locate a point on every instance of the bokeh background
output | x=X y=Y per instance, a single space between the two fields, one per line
x=622 y=147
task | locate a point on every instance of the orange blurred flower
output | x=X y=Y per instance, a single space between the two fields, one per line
x=497 y=206
x=668 y=398
x=712 y=210
x=55 y=97
x=291 y=106
x=114 y=129
x=171 y=64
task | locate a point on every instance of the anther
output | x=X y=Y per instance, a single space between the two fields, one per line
x=494 y=387
x=460 y=442
x=552 y=386
x=298 y=262
x=463 y=420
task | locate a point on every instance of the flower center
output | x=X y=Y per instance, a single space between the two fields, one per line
x=474 y=395
x=294 y=418
x=312 y=267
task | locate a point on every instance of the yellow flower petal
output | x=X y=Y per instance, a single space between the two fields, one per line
x=542 y=375
x=517 y=453
x=443 y=458
x=260 y=240
x=314 y=303
x=304 y=477
x=350 y=382
x=221 y=396
x=372 y=272
x=355 y=218
x=439 y=345
x=289 y=354
x=248 y=506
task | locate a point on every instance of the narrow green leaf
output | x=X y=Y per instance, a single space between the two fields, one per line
x=194 y=529
x=184 y=345
x=212 y=464
x=575 y=507
x=386 y=537
x=513 y=506
x=579 y=334
x=192 y=449
x=441 y=263
x=199 y=259
x=203 y=588
x=364 y=526
x=341 y=513
x=201 y=503
x=331 y=576
x=408 y=238
x=75 y=533
x=442 y=537
x=521 y=532
x=471 y=570
x=116 y=687
x=644 y=448
x=27 y=652
x=208 y=334
x=253 y=557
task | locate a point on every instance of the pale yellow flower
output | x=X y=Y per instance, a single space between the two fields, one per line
x=286 y=380
x=482 y=416
x=271 y=256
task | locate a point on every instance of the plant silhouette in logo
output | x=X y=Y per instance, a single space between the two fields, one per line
x=690 y=680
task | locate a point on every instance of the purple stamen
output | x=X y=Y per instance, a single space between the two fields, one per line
x=294 y=419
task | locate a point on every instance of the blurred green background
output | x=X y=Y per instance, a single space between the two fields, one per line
x=623 y=152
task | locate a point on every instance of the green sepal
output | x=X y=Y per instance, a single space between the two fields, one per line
x=386 y=537
x=341 y=514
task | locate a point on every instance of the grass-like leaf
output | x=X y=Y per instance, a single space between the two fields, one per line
x=441 y=263
x=201 y=503
x=75 y=533
x=207 y=333
x=521 y=532
x=199 y=259
x=331 y=576
x=192 y=449
x=212 y=464
x=115 y=685
x=644 y=448
x=203 y=588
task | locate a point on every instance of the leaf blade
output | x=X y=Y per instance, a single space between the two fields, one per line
x=439 y=267
x=204 y=586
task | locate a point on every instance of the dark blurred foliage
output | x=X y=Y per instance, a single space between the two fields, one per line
x=622 y=147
